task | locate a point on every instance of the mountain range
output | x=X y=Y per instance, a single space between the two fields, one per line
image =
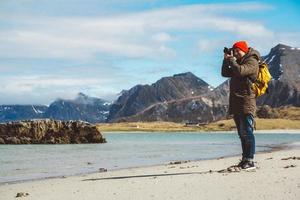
x=83 y=107
x=180 y=98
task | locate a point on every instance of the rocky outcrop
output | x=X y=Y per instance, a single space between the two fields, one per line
x=49 y=132
x=266 y=111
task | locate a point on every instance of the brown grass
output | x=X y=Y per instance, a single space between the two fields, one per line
x=261 y=124
x=289 y=112
x=223 y=125
x=145 y=126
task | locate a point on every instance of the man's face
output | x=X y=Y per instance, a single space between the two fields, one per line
x=238 y=53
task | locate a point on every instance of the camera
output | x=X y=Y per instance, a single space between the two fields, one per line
x=227 y=50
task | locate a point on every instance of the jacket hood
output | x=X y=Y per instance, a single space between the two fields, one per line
x=252 y=52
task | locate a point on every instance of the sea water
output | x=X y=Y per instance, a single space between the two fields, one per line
x=123 y=150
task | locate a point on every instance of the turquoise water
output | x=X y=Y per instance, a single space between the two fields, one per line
x=123 y=150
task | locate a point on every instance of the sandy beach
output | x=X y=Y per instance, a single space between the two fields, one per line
x=278 y=177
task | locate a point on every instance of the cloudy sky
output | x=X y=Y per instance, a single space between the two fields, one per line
x=57 y=48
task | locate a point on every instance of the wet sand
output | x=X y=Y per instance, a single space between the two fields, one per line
x=277 y=177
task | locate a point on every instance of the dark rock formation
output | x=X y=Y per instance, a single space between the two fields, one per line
x=22 y=194
x=266 y=111
x=49 y=132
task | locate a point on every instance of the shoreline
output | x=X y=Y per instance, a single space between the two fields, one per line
x=277 y=177
x=279 y=147
x=264 y=131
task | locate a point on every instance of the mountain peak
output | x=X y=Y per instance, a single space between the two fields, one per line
x=280 y=46
x=80 y=94
x=84 y=99
x=188 y=75
x=284 y=63
x=184 y=74
x=187 y=78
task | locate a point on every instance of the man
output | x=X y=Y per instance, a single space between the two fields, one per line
x=241 y=64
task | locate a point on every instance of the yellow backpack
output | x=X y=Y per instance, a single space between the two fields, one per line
x=260 y=85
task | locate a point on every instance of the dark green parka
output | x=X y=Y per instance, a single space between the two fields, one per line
x=242 y=98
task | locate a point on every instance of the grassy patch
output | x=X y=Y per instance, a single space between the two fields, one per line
x=223 y=125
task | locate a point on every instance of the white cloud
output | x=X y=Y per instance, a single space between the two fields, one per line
x=209 y=45
x=44 y=89
x=162 y=37
x=129 y=35
x=26 y=84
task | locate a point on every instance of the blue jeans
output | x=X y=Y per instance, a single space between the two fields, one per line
x=244 y=125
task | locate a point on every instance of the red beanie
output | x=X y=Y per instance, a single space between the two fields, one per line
x=242 y=45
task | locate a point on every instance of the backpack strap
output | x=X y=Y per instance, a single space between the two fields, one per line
x=251 y=79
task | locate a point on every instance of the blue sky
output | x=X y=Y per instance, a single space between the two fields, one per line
x=57 y=48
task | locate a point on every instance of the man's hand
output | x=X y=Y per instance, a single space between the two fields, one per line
x=227 y=56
